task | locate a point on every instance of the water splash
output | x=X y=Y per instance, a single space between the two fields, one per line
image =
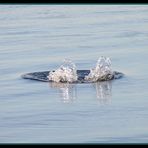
x=65 y=73
x=102 y=71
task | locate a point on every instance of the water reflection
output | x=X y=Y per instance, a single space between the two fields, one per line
x=68 y=92
x=103 y=91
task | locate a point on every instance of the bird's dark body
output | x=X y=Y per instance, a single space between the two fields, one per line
x=42 y=76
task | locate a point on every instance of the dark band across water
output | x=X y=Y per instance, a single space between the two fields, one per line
x=42 y=76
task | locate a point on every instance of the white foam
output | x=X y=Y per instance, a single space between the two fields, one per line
x=65 y=73
x=103 y=67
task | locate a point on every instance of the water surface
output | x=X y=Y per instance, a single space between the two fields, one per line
x=38 y=38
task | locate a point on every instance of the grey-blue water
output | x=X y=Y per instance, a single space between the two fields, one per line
x=38 y=38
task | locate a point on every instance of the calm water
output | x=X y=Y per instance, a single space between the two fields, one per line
x=38 y=38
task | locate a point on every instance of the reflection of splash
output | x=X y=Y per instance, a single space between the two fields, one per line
x=67 y=91
x=103 y=91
